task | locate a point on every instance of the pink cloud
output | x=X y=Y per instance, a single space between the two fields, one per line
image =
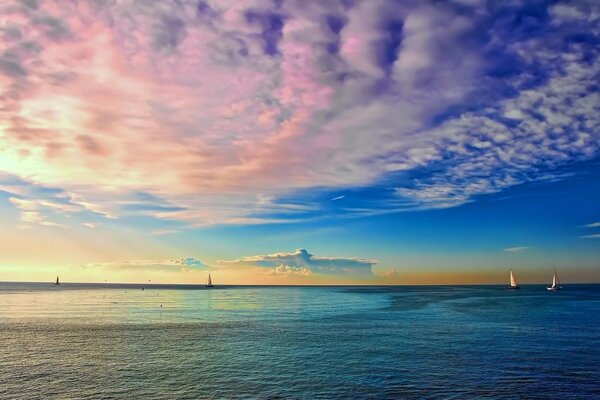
x=105 y=100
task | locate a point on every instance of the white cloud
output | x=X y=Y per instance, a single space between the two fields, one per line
x=595 y=236
x=593 y=225
x=191 y=262
x=514 y=154
x=565 y=13
x=518 y=249
x=31 y=212
x=292 y=270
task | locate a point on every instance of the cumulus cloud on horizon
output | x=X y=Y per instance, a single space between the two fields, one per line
x=301 y=262
x=239 y=104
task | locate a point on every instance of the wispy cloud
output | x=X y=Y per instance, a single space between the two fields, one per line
x=518 y=249
x=32 y=212
x=592 y=225
x=594 y=236
x=338 y=198
x=177 y=265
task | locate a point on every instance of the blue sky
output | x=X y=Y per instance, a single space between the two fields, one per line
x=286 y=142
x=534 y=225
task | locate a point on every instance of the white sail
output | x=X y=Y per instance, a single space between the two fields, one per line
x=513 y=282
x=555 y=282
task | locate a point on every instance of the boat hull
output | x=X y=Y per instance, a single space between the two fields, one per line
x=552 y=289
x=514 y=287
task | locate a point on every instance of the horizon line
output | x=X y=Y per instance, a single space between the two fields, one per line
x=295 y=285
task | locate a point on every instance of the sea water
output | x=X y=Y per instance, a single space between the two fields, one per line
x=186 y=342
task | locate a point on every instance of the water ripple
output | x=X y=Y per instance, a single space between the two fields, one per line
x=299 y=343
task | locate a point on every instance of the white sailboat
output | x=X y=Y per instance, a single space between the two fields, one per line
x=57 y=282
x=209 y=282
x=513 y=281
x=555 y=282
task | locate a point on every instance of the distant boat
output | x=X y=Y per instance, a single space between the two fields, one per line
x=209 y=282
x=513 y=281
x=57 y=282
x=555 y=282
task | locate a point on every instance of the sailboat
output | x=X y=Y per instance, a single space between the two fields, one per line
x=555 y=282
x=57 y=282
x=513 y=282
x=209 y=282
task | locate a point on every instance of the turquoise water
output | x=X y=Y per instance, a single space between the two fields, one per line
x=480 y=342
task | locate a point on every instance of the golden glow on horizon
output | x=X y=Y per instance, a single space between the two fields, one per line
x=118 y=273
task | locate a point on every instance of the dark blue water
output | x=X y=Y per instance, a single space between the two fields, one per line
x=172 y=342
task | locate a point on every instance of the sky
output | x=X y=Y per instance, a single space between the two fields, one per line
x=299 y=142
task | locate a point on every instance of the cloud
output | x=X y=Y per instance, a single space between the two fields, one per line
x=191 y=262
x=518 y=249
x=337 y=198
x=301 y=262
x=292 y=270
x=238 y=105
x=389 y=273
x=593 y=225
x=188 y=264
x=595 y=236
x=47 y=206
x=591 y=236
x=32 y=211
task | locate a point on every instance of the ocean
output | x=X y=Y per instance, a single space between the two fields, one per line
x=77 y=341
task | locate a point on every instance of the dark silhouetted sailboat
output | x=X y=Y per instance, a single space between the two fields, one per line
x=555 y=282
x=209 y=282
x=57 y=282
x=513 y=282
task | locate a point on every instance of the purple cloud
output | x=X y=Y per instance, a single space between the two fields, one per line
x=214 y=106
